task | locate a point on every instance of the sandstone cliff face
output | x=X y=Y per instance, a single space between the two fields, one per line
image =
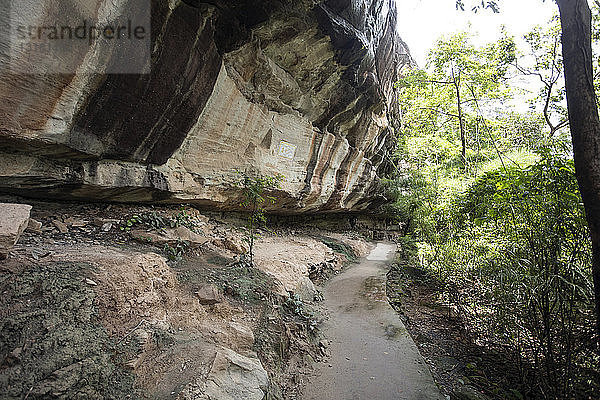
x=300 y=88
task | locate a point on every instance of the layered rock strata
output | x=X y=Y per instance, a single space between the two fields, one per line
x=299 y=88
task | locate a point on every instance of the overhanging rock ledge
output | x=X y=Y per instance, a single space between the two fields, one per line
x=300 y=88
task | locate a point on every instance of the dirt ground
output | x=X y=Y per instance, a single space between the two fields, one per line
x=113 y=302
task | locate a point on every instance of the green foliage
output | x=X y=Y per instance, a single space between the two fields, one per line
x=176 y=252
x=339 y=247
x=303 y=311
x=482 y=68
x=441 y=151
x=248 y=285
x=513 y=254
x=444 y=106
x=516 y=261
x=476 y=6
x=157 y=221
x=490 y=200
x=413 y=202
x=255 y=189
x=543 y=60
x=130 y=223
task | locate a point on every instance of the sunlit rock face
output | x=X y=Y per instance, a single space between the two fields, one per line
x=299 y=88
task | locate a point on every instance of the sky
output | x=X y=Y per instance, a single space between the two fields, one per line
x=422 y=22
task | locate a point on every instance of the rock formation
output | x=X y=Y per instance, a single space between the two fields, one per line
x=13 y=221
x=301 y=88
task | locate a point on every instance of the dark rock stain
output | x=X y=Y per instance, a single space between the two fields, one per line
x=145 y=118
x=266 y=141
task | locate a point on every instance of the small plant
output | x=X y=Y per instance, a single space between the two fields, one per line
x=254 y=189
x=156 y=221
x=340 y=248
x=134 y=220
x=295 y=304
x=174 y=253
x=183 y=218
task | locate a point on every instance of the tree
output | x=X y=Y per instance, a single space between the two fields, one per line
x=582 y=107
x=576 y=24
x=459 y=80
x=254 y=189
x=545 y=51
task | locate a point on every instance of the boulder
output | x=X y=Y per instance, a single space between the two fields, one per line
x=208 y=294
x=13 y=221
x=235 y=377
x=185 y=234
x=235 y=244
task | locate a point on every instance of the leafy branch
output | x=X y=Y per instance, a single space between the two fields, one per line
x=255 y=190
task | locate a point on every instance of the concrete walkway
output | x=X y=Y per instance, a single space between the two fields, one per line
x=372 y=355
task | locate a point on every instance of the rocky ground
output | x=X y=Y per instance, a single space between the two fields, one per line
x=107 y=301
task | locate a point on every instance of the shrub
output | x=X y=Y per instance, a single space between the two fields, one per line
x=517 y=264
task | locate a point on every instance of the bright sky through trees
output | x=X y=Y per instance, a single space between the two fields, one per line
x=422 y=22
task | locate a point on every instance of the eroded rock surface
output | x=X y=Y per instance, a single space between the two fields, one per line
x=300 y=88
x=13 y=221
x=289 y=263
x=231 y=377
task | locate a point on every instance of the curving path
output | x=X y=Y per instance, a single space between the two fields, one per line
x=372 y=355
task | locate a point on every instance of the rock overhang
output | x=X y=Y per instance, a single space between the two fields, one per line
x=303 y=89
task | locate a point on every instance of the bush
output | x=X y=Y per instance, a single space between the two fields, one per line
x=516 y=262
x=412 y=202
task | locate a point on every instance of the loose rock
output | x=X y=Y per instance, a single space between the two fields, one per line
x=74 y=222
x=34 y=226
x=234 y=376
x=13 y=221
x=61 y=226
x=209 y=294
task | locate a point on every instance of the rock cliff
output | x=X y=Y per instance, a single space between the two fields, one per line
x=301 y=88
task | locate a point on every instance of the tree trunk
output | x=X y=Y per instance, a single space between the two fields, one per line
x=461 y=124
x=575 y=17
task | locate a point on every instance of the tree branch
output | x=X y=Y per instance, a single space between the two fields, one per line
x=438 y=111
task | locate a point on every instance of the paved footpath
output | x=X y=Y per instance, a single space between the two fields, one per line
x=372 y=355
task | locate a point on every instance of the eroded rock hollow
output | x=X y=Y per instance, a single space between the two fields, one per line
x=299 y=88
